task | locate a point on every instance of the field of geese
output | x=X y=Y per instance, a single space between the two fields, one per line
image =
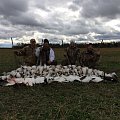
x=31 y=75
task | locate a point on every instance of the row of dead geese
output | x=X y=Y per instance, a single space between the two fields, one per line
x=31 y=75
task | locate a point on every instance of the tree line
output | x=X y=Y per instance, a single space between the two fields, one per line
x=80 y=45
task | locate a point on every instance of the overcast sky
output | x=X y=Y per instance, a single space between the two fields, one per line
x=56 y=20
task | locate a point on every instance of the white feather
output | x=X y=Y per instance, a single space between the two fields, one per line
x=96 y=79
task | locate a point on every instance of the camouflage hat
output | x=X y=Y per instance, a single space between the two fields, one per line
x=32 y=40
x=72 y=41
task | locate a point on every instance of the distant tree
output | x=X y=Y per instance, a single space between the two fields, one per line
x=19 y=45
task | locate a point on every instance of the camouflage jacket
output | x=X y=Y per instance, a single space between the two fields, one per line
x=92 y=56
x=29 y=55
x=72 y=54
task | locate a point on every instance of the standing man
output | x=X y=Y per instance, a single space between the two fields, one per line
x=29 y=53
x=71 y=54
x=90 y=56
x=47 y=55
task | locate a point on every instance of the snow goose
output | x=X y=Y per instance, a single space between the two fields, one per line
x=18 y=75
x=100 y=73
x=19 y=69
x=80 y=72
x=84 y=70
x=29 y=68
x=96 y=79
x=13 y=73
x=19 y=80
x=72 y=78
x=39 y=80
x=56 y=70
x=111 y=77
x=90 y=72
x=73 y=66
x=3 y=77
x=34 y=67
x=76 y=71
x=50 y=80
x=65 y=67
x=60 y=78
x=11 y=81
x=40 y=70
x=58 y=66
x=85 y=79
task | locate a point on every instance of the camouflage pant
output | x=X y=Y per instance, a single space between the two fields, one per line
x=30 y=60
x=89 y=60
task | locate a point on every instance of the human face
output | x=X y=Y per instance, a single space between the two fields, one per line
x=90 y=47
x=46 y=45
x=72 y=44
x=33 y=42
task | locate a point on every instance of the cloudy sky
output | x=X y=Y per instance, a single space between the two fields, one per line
x=56 y=20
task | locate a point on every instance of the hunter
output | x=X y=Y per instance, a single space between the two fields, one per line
x=71 y=54
x=29 y=53
x=46 y=54
x=90 y=57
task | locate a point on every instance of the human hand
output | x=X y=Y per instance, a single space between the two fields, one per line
x=49 y=62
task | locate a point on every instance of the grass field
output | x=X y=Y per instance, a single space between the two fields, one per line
x=62 y=101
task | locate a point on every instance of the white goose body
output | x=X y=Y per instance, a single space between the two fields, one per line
x=96 y=79
x=39 y=80
x=60 y=79
x=39 y=74
x=72 y=78
x=86 y=79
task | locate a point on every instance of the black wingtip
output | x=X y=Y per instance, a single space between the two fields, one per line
x=45 y=81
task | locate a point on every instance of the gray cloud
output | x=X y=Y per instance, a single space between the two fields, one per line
x=108 y=36
x=99 y=8
x=24 y=19
x=58 y=20
x=74 y=7
x=13 y=7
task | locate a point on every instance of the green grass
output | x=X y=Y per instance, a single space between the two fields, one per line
x=62 y=101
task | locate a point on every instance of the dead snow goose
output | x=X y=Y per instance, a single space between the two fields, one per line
x=84 y=70
x=11 y=81
x=29 y=68
x=39 y=80
x=34 y=67
x=58 y=66
x=90 y=72
x=72 y=78
x=76 y=71
x=59 y=79
x=28 y=81
x=13 y=73
x=96 y=78
x=85 y=79
x=19 y=80
x=111 y=77
x=73 y=66
x=4 y=77
x=18 y=75
x=19 y=69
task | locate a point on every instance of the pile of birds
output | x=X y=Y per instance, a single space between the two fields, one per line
x=31 y=75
